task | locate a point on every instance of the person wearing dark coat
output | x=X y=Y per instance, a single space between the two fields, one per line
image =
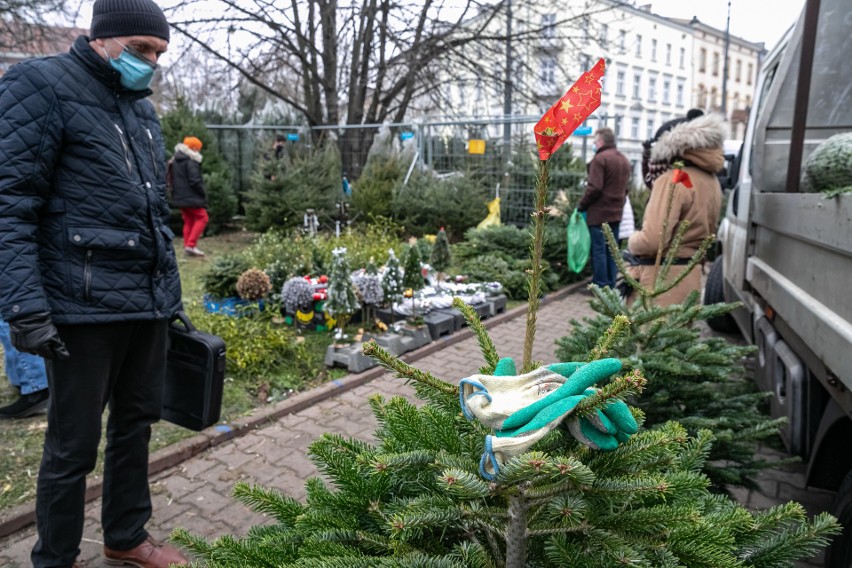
x=603 y=203
x=189 y=194
x=88 y=275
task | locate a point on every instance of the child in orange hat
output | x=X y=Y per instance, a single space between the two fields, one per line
x=189 y=193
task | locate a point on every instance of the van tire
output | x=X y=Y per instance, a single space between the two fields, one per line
x=839 y=552
x=714 y=293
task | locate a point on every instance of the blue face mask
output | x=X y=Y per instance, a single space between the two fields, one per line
x=136 y=71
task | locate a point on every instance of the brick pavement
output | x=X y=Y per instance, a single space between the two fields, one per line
x=195 y=494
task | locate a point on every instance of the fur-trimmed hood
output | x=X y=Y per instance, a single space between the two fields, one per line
x=188 y=152
x=704 y=132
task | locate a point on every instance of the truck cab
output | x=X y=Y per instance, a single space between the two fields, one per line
x=786 y=253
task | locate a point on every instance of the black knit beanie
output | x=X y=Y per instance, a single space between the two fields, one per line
x=118 y=18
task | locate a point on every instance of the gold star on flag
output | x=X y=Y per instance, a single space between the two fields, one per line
x=578 y=117
x=566 y=104
x=576 y=89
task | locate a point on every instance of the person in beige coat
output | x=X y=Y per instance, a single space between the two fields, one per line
x=698 y=143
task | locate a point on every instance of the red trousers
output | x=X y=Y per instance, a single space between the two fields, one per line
x=194 y=221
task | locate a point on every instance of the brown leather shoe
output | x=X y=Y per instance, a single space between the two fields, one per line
x=149 y=554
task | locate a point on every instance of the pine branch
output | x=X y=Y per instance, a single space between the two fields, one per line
x=619 y=327
x=539 y=218
x=486 y=345
x=402 y=369
x=619 y=388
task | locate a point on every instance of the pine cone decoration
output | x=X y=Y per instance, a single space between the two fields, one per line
x=253 y=285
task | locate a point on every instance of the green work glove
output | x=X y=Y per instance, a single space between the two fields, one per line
x=557 y=403
x=492 y=398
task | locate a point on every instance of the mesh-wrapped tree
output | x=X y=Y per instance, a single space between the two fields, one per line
x=412 y=277
x=392 y=286
x=440 y=258
x=341 y=302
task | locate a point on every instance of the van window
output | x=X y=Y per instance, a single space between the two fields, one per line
x=761 y=100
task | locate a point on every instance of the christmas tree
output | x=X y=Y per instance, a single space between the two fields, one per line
x=539 y=469
x=412 y=277
x=698 y=380
x=341 y=303
x=440 y=258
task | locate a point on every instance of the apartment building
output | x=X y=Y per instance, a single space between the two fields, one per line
x=657 y=69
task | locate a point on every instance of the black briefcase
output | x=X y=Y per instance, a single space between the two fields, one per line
x=195 y=376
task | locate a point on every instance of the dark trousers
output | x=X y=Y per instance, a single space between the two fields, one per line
x=121 y=364
x=604 y=269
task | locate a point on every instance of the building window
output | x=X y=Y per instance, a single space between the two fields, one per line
x=649 y=129
x=667 y=87
x=462 y=95
x=638 y=46
x=604 y=34
x=619 y=83
x=750 y=73
x=713 y=93
x=652 y=89
x=634 y=128
x=548 y=26
x=547 y=73
x=739 y=71
x=622 y=40
x=668 y=54
x=637 y=85
x=653 y=50
x=702 y=60
x=702 y=97
x=682 y=57
x=679 y=95
x=715 y=63
x=748 y=101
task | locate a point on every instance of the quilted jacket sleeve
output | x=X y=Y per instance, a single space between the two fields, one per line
x=30 y=139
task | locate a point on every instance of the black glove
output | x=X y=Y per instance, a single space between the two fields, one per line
x=36 y=334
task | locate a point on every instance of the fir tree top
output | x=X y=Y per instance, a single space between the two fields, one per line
x=440 y=258
x=412 y=276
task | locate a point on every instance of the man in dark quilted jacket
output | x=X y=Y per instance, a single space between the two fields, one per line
x=88 y=277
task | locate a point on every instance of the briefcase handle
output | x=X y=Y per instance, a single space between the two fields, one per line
x=181 y=316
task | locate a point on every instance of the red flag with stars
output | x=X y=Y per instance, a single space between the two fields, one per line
x=569 y=112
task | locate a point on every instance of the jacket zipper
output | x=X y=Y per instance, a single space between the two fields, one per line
x=87 y=276
x=126 y=148
x=153 y=156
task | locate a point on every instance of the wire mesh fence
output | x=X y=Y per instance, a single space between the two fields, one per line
x=497 y=153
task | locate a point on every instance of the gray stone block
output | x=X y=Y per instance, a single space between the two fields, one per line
x=458 y=318
x=497 y=304
x=348 y=356
x=439 y=324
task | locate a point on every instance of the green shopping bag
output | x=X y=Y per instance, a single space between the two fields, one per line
x=579 y=242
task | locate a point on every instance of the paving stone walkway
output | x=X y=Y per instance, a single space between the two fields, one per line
x=196 y=494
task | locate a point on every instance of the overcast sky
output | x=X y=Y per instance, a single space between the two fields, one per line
x=754 y=20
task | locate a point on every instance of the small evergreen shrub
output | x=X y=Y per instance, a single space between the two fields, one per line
x=221 y=279
x=282 y=190
x=372 y=194
x=426 y=203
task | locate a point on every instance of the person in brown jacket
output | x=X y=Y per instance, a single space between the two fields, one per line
x=698 y=143
x=603 y=202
